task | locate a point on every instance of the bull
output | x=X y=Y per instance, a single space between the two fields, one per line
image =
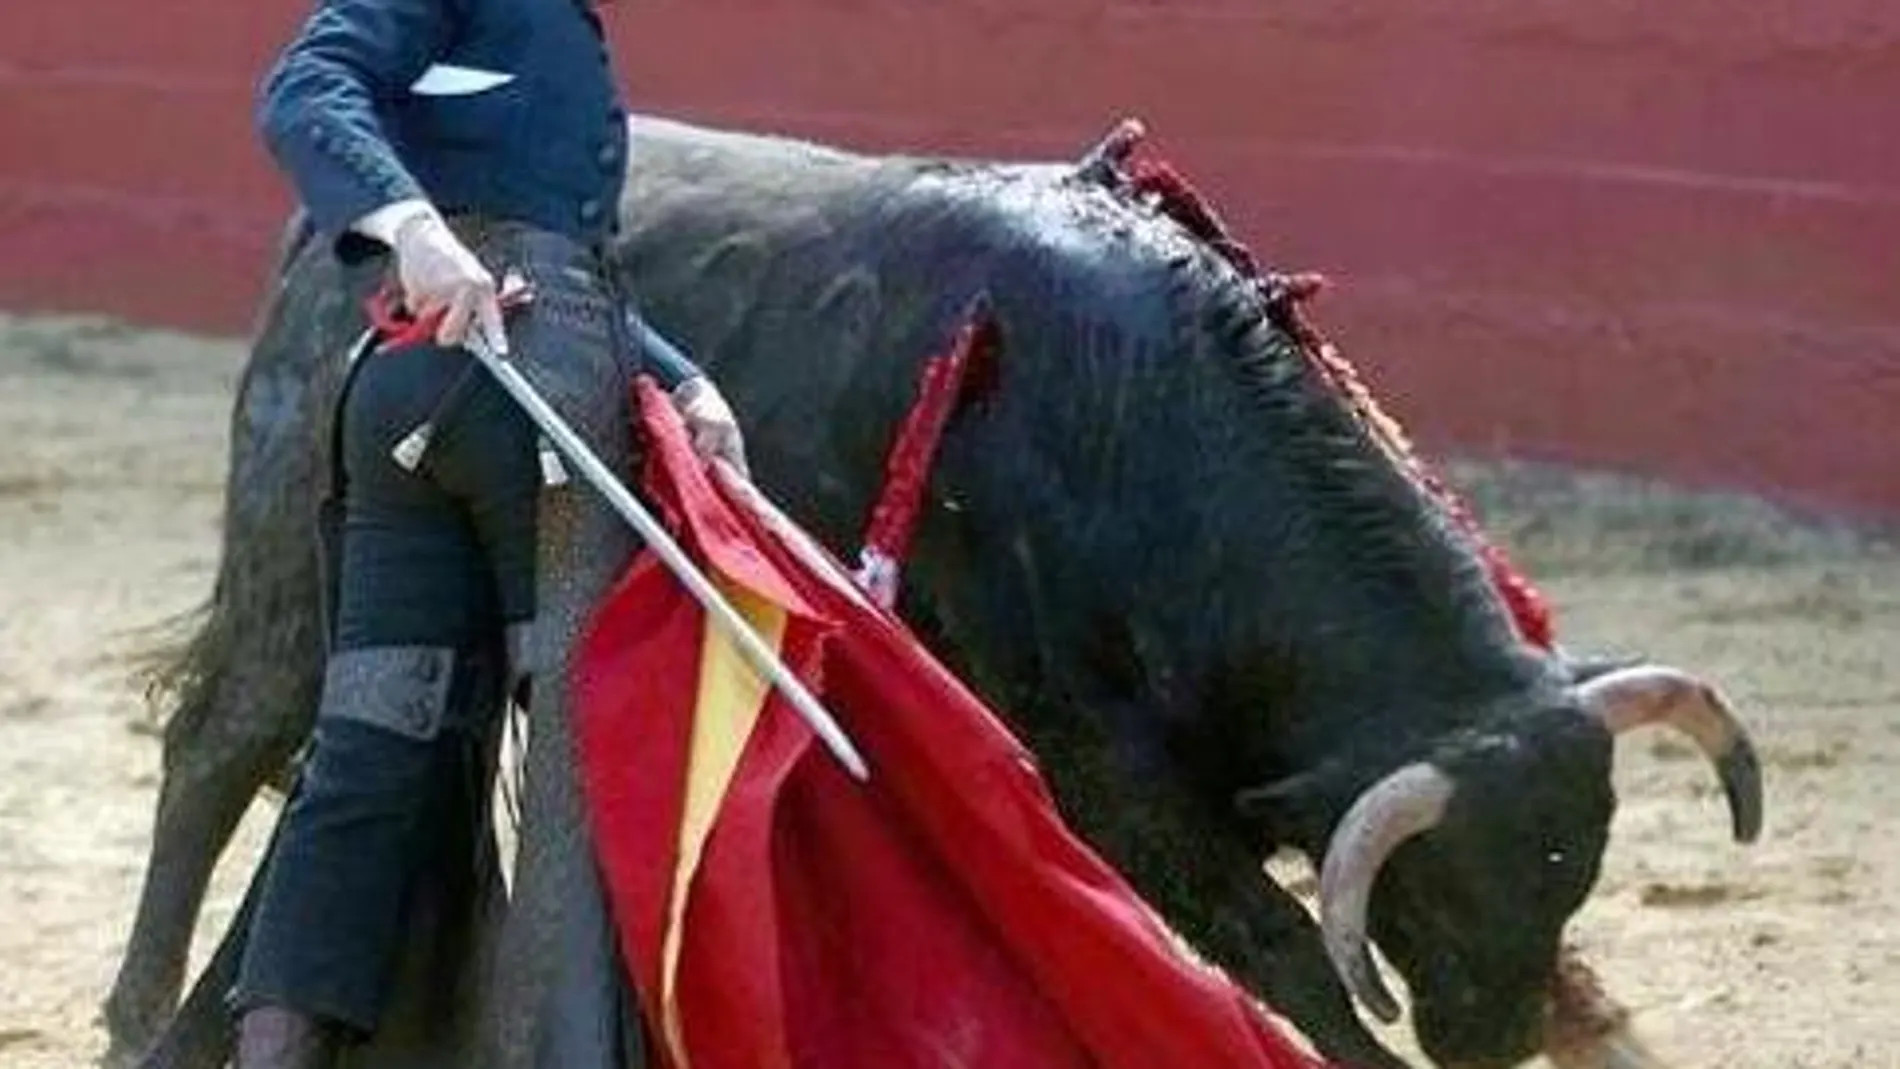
x=1159 y=541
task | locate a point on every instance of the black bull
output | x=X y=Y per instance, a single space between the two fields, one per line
x=1157 y=540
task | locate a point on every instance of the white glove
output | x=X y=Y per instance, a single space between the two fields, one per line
x=710 y=423
x=438 y=272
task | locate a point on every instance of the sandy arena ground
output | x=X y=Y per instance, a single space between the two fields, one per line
x=1785 y=955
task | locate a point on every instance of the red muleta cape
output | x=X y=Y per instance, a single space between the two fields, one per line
x=774 y=913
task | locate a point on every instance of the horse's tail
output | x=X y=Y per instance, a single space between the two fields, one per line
x=177 y=668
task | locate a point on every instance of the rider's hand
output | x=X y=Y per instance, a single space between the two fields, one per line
x=710 y=423
x=437 y=272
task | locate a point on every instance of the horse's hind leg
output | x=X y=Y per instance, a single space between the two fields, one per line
x=219 y=750
x=252 y=675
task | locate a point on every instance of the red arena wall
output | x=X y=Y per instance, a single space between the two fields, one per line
x=1661 y=238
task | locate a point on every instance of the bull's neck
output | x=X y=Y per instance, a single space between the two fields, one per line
x=1333 y=605
x=1382 y=636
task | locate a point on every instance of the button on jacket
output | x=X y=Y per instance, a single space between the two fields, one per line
x=504 y=107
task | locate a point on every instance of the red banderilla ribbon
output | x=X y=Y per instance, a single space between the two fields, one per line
x=401 y=329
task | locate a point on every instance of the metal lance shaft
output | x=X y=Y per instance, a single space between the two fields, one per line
x=602 y=479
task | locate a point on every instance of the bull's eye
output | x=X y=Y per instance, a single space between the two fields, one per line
x=1556 y=857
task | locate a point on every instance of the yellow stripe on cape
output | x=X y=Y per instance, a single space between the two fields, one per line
x=730 y=697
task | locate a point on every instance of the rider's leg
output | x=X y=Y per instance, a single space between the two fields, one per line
x=436 y=563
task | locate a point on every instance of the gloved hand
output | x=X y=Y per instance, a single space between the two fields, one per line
x=710 y=423
x=438 y=272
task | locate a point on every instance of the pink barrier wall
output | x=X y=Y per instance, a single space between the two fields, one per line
x=1655 y=237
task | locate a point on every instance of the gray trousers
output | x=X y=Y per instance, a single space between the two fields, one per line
x=436 y=571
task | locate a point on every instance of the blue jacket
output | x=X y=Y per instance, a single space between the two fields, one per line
x=504 y=107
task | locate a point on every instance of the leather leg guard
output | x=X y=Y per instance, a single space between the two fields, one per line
x=402 y=689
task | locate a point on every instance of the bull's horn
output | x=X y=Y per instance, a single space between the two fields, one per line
x=1635 y=697
x=1408 y=802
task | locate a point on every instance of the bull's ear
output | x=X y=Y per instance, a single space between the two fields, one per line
x=1263 y=800
x=1286 y=807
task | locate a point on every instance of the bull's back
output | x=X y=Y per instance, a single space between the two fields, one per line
x=813 y=282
